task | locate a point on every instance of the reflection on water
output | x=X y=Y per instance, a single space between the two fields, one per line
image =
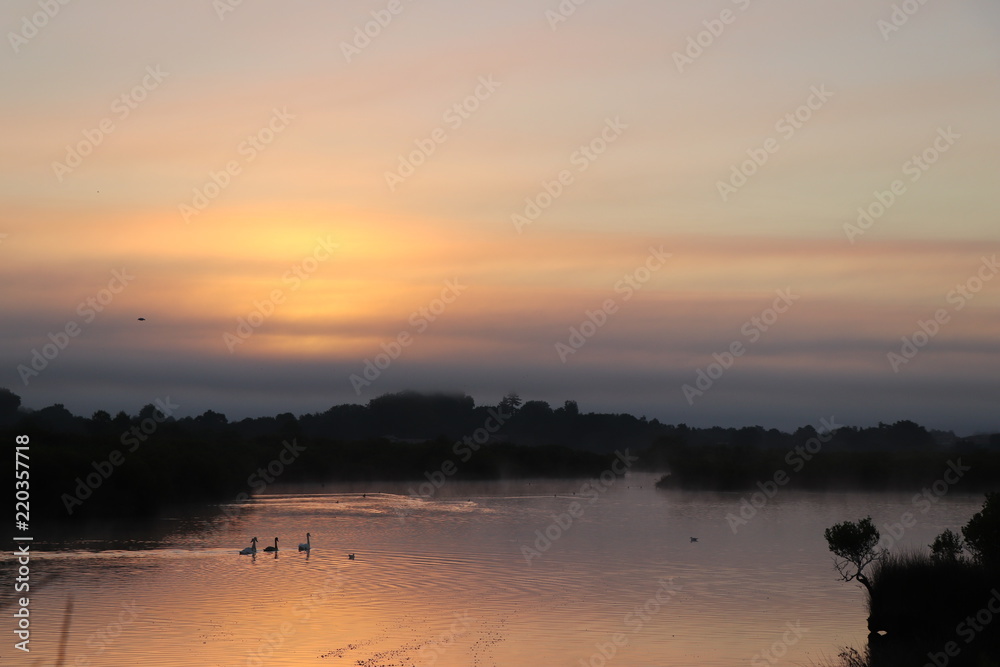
x=509 y=577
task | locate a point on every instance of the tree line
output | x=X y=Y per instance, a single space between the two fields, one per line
x=136 y=463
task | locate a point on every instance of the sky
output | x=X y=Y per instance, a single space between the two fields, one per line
x=731 y=213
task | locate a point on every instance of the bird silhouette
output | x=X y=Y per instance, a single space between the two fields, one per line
x=142 y=319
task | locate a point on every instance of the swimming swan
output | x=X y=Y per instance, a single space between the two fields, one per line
x=274 y=548
x=250 y=550
x=306 y=546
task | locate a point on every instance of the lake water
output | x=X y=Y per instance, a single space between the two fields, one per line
x=447 y=582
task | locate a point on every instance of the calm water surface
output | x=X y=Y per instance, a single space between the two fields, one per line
x=446 y=582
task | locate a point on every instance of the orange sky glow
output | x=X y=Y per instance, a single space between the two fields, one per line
x=483 y=181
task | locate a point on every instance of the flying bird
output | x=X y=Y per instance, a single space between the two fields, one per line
x=694 y=539
x=142 y=319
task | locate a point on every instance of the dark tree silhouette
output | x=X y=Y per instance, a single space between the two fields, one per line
x=538 y=410
x=510 y=403
x=9 y=405
x=150 y=411
x=982 y=533
x=946 y=548
x=855 y=546
x=211 y=418
x=9 y=402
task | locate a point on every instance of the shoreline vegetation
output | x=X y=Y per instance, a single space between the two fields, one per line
x=939 y=608
x=108 y=467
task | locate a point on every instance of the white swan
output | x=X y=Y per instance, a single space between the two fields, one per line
x=274 y=548
x=250 y=550
x=306 y=546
